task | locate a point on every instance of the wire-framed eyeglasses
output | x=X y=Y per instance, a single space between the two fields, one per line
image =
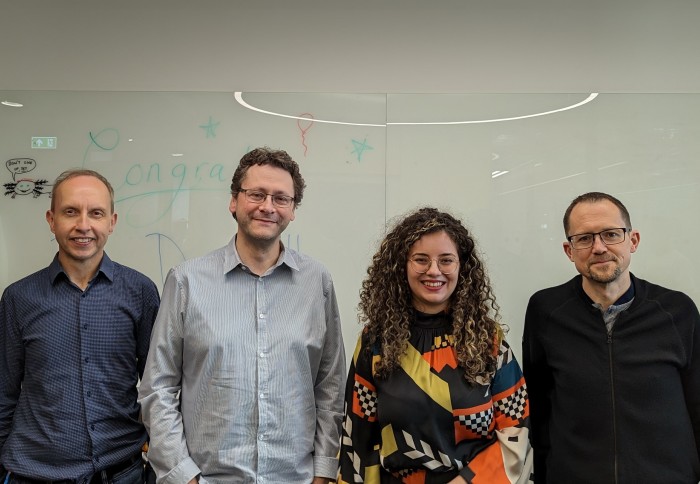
x=608 y=237
x=421 y=264
x=257 y=196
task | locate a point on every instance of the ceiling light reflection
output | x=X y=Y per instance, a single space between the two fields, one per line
x=238 y=95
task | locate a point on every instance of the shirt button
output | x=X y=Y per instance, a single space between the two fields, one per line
x=262 y=395
x=84 y=326
x=262 y=316
x=89 y=393
x=92 y=427
x=87 y=359
x=261 y=437
x=262 y=355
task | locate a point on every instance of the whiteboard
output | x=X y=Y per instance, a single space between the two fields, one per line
x=507 y=164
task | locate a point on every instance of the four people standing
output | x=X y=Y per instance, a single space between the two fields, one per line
x=246 y=368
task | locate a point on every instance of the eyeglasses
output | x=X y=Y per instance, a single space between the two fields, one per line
x=421 y=264
x=608 y=237
x=256 y=196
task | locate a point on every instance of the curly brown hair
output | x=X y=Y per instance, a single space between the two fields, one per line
x=386 y=306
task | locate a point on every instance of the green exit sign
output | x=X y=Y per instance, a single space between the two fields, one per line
x=44 y=142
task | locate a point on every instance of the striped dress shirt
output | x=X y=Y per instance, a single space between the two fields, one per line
x=245 y=377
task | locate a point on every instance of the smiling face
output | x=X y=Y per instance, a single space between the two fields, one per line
x=81 y=219
x=24 y=187
x=601 y=264
x=261 y=224
x=432 y=291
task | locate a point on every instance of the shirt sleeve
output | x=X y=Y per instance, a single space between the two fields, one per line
x=691 y=375
x=361 y=435
x=11 y=365
x=160 y=387
x=328 y=390
x=149 y=310
x=539 y=383
x=508 y=459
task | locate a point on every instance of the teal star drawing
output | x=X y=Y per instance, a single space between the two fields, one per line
x=210 y=128
x=360 y=147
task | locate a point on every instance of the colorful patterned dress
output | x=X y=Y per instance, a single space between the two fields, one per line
x=425 y=423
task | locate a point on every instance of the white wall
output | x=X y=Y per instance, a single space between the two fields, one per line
x=409 y=46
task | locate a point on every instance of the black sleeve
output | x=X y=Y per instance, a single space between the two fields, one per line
x=691 y=374
x=538 y=377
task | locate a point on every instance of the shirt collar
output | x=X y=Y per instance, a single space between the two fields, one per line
x=106 y=267
x=233 y=260
x=624 y=299
x=442 y=319
x=627 y=296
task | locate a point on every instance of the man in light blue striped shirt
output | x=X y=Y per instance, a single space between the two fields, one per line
x=245 y=377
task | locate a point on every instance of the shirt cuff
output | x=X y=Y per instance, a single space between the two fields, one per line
x=325 y=467
x=183 y=473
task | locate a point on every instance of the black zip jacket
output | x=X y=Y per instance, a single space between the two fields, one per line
x=619 y=408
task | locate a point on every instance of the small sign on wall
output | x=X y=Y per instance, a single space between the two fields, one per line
x=44 y=142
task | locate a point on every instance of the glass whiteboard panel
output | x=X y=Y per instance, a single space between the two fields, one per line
x=508 y=164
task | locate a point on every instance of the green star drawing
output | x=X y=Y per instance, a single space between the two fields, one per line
x=360 y=147
x=210 y=128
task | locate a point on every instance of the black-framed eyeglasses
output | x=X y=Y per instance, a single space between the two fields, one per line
x=421 y=264
x=608 y=237
x=257 y=196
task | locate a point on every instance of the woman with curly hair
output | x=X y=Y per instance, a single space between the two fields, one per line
x=434 y=394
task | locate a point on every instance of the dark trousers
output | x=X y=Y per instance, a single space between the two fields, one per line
x=131 y=471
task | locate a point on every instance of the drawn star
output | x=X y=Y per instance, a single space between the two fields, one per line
x=210 y=128
x=360 y=147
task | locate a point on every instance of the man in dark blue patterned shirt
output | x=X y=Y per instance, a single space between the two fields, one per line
x=73 y=343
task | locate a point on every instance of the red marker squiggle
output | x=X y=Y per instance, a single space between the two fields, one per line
x=305 y=129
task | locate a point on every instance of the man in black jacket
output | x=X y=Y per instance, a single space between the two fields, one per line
x=612 y=363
